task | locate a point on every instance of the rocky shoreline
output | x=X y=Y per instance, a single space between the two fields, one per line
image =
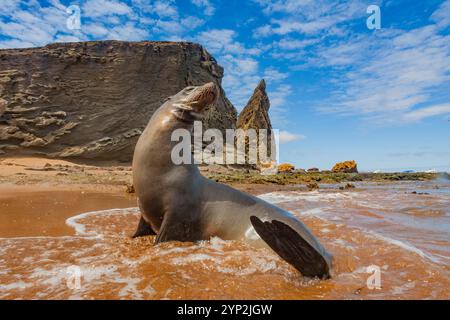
x=41 y=171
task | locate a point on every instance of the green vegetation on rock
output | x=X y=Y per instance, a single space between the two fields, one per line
x=311 y=177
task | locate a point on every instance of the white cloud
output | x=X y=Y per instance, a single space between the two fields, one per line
x=418 y=154
x=208 y=8
x=286 y=6
x=420 y=114
x=292 y=44
x=170 y=23
x=385 y=76
x=192 y=22
x=111 y=19
x=100 y=8
x=66 y=38
x=33 y=23
x=308 y=16
x=168 y=27
x=286 y=137
x=388 y=75
x=273 y=75
x=127 y=32
x=224 y=41
x=279 y=95
x=262 y=31
x=284 y=26
x=15 y=43
x=442 y=15
x=240 y=78
x=9 y=6
x=174 y=29
x=165 y=9
x=96 y=30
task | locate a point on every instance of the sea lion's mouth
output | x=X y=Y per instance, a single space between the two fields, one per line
x=200 y=98
x=195 y=102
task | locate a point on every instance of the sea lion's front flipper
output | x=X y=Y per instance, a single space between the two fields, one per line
x=176 y=230
x=290 y=246
x=143 y=229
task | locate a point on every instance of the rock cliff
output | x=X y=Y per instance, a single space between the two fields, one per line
x=255 y=115
x=91 y=100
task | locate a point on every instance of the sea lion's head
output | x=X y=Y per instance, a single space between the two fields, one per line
x=190 y=102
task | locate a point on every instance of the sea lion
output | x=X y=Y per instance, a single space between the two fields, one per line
x=179 y=204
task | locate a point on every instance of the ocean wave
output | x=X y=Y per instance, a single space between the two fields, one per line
x=80 y=228
x=312 y=196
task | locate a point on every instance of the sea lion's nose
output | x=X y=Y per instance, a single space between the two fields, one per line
x=211 y=89
x=210 y=85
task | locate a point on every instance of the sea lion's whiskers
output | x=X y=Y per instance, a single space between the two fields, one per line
x=182 y=106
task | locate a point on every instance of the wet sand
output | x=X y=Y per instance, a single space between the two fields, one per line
x=31 y=211
x=27 y=212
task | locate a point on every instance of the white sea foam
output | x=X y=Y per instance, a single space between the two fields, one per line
x=80 y=228
x=217 y=243
x=402 y=245
x=163 y=252
x=19 y=285
x=195 y=257
x=257 y=264
x=312 y=196
x=278 y=197
x=130 y=288
x=400 y=290
x=309 y=212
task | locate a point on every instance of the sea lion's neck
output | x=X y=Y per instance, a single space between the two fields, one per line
x=161 y=140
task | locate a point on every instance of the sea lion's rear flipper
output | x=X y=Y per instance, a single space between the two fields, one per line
x=290 y=246
x=143 y=229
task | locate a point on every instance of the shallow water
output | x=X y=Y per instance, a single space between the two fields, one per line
x=405 y=235
x=43 y=212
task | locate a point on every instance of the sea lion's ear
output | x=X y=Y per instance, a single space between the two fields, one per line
x=187 y=115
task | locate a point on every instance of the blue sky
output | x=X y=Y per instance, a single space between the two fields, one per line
x=338 y=90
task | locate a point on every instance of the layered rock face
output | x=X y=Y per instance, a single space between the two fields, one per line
x=91 y=100
x=255 y=115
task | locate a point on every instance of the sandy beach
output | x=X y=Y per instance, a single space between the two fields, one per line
x=55 y=214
